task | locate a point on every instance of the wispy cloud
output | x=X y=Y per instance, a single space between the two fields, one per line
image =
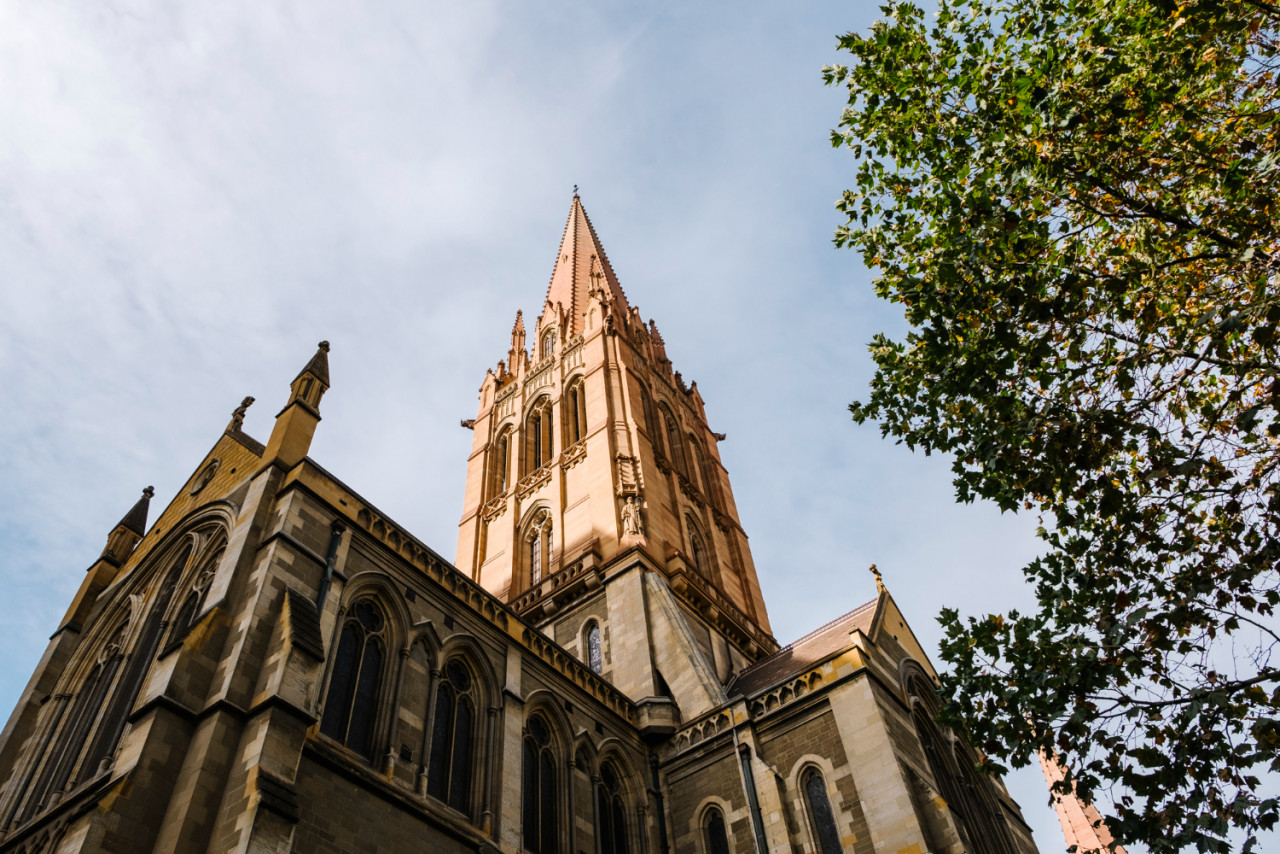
x=191 y=195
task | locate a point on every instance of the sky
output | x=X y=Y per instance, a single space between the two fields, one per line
x=192 y=195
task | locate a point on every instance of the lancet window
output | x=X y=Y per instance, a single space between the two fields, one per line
x=538 y=436
x=715 y=837
x=351 y=707
x=593 y=652
x=537 y=547
x=574 y=412
x=698 y=549
x=499 y=463
x=826 y=837
x=453 y=737
x=611 y=814
x=539 y=792
x=650 y=419
x=675 y=447
x=548 y=343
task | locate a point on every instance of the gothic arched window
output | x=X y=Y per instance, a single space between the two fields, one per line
x=499 y=464
x=538 y=436
x=675 y=447
x=538 y=789
x=611 y=815
x=826 y=836
x=351 y=707
x=548 y=343
x=594 y=653
x=453 y=737
x=650 y=419
x=134 y=672
x=184 y=621
x=715 y=837
x=952 y=765
x=695 y=461
x=574 y=413
x=698 y=550
x=537 y=547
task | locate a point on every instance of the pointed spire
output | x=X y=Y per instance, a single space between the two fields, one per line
x=582 y=266
x=128 y=531
x=136 y=519
x=318 y=367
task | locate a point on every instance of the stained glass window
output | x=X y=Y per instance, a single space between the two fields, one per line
x=351 y=707
x=824 y=821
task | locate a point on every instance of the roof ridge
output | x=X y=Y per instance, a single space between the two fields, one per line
x=819 y=630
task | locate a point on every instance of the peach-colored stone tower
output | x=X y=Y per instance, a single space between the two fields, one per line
x=595 y=494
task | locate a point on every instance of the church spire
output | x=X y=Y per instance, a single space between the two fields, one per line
x=582 y=267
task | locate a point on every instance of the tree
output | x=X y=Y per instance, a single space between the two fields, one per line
x=1075 y=202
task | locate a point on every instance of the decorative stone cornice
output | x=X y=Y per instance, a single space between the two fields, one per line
x=533 y=481
x=574 y=454
x=561 y=587
x=494 y=508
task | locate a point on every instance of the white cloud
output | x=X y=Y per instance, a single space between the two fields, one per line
x=192 y=195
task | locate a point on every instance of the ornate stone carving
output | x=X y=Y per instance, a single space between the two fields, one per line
x=533 y=481
x=237 y=417
x=494 y=508
x=628 y=475
x=574 y=454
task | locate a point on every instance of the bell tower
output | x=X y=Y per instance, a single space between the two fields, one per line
x=596 y=498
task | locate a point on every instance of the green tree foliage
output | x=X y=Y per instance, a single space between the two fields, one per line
x=1075 y=202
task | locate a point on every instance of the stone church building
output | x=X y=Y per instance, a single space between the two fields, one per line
x=274 y=665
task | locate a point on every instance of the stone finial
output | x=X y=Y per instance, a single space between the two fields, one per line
x=136 y=519
x=323 y=345
x=880 y=588
x=237 y=417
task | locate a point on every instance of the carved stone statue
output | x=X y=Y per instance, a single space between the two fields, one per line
x=237 y=417
x=632 y=523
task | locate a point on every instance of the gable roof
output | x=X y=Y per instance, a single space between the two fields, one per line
x=819 y=644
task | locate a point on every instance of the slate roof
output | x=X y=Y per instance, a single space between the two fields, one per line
x=819 y=644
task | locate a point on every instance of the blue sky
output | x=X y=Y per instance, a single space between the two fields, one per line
x=192 y=195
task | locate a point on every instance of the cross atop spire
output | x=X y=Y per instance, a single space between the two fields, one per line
x=580 y=264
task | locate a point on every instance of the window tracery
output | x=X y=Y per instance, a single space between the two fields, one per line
x=611 y=815
x=538 y=436
x=539 y=793
x=575 y=412
x=537 y=547
x=453 y=737
x=351 y=706
x=499 y=464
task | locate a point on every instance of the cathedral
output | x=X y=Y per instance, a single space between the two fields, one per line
x=272 y=664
